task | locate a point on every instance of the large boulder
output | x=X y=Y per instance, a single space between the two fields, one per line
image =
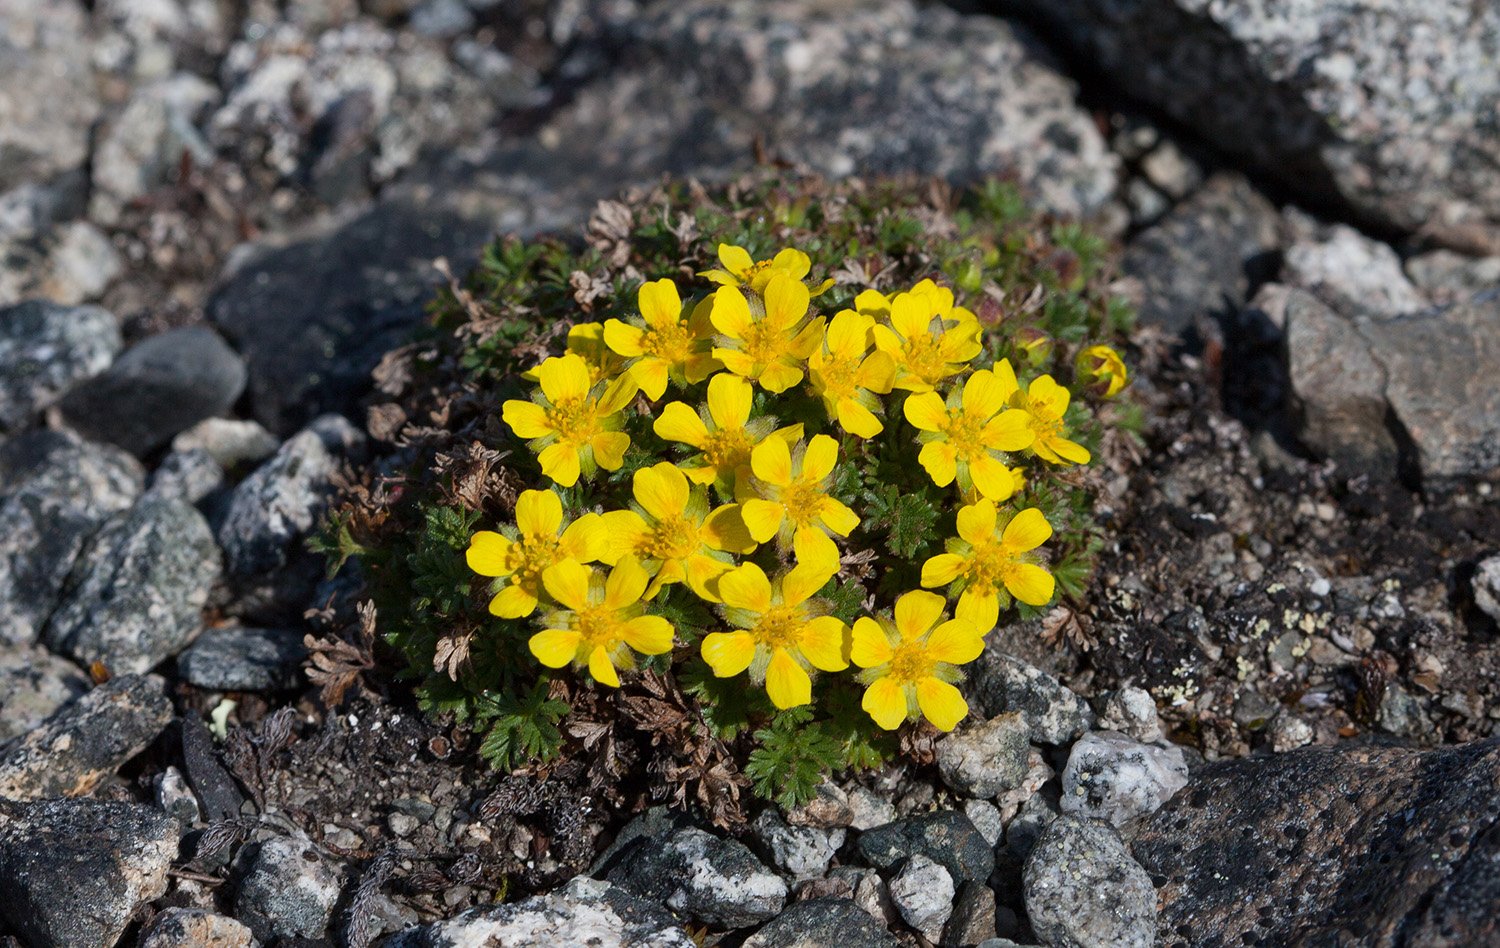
x=1384 y=845
x=1389 y=106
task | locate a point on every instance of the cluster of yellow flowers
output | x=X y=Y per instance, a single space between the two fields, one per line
x=743 y=481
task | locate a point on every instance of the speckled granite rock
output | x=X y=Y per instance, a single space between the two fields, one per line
x=45 y=349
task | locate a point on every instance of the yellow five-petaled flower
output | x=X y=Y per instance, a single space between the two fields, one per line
x=536 y=546
x=723 y=434
x=673 y=533
x=987 y=563
x=572 y=423
x=1105 y=367
x=966 y=436
x=740 y=269
x=1046 y=402
x=668 y=346
x=793 y=503
x=781 y=633
x=601 y=622
x=911 y=662
x=847 y=378
x=928 y=340
x=770 y=347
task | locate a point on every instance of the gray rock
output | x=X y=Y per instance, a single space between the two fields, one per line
x=973 y=920
x=1289 y=732
x=1396 y=844
x=159 y=387
x=868 y=809
x=984 y=759
x=195 y=928
x=48 y=98
x=1350 y=272
x=288 y=890
x=1030 y=820
x=1449 y=277
x=75 y=871
x=33 y=684
x=584 y=912
x=237 y=658
x=1356 y=379
x=828 y=809
x=803 y=852
x=1202 y=257
x=1114 y=778
x=276 y=505
x=1393 y=113
x=822 y=923
x=986 y=818
x=45 y=349
x=176 y=798
x=88 y=740
x=67 y=263
x=229 y=441
x=142 y=144
x=188 y=476
x=1132 y=711
x=55 y=491
x=1486 y=585
x=156 y=36
x=1083 y=889
x=946 y=837
x=715 y=881
x=136 y=594
x=999 y=683
x=923 y=893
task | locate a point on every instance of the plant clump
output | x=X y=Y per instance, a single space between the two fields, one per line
x=728 y=495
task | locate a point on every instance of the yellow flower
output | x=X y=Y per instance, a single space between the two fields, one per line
x=1046 y=401
x=940 y=300
x=781 y=634
x=928 y=343
x=847 y=378
x=910 y=663
x=534 y=545
x=586 y=340
x=1105 y=367
x=770 y=350
x=966 y=436
x=794 y=505
x=723 y=434
x=573 y=424
x=988 y=565
x=666 y=345
x=600 y=622
x=741 y=270
x=673 y=534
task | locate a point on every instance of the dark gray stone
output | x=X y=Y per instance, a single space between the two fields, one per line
x=33 y=684
x=70 y=752
x=999 y=683
x=823 y=923
x=55 y=491
x=803 y=852
x=1113 y=778
x=1083 y=889
x=986 y=758
x=136 y=594
x=188 y=476
x=288 y=889
x=237 y=658
x=1203 y=257
x=584 y=912
x=45 y=349
x=973 y=920
x=195 y=928
x=946 y=837
x=715 y=881
x=1391 y=110
x=159 y=387
x=75 y=871
x=1387 y=845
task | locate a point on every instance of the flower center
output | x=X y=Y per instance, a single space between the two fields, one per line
x=989 y=566
x=597 y=625
x=674 y=538
x=763 y=342
x=778 y=627
x=910 y=662
x=672 y=343
x=574 y=419
x=531 y=556
x=1043 y=424
x=803 y=501
x=838 y=376
x=726 y=450
x=924 y=358
x=965 y=433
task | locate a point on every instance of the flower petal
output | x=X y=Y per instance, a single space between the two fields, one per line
x=979 y=608
x=538 y=513
x=786 y=682
x=555 y=648
x=956 y=642
x=729 y=400
x=487 y=554
x=678 y=422
x=586 y=538
x=602 y=668
x=941 y=703
x=609 y=449
x=623 y=338
x=563 y=377
x=625 y=583
x=746 y=587
x=560 y=462
x=1069 y=450
x=659 y=303
x=818 y=461
x=1045 y=392
x=885 y=702
x=926 y=411
x=837 y=517
x=911 y=315
x=786 y=300
x=803 y=581
x=725 y=529
x=869 y=647
x=762 y=518
x=848 y=334
x=513 y=602
x=735 y=259
x=568 y=583
x=976 y=523
x=651 y=374
x=991 y=478
x=1031 y=584
x=662 y=490
x=816 y=550
x=728 y=653
x=649 y=635
x=942 y=569
x=793 y=262
x=731 y=312
x=771 y=461
x=984 y=395
x=1028 y=530
x=527 y=419
x=779 y=376
x=940 y=461
x=916 y=613
x=623 y=531
x=1009 y=431
x=822 y=644
x=858 y=420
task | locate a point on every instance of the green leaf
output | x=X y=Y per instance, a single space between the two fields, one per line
x=521 y=730
x=792 y=758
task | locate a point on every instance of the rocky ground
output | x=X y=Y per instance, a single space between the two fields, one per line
x=1270 y=722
